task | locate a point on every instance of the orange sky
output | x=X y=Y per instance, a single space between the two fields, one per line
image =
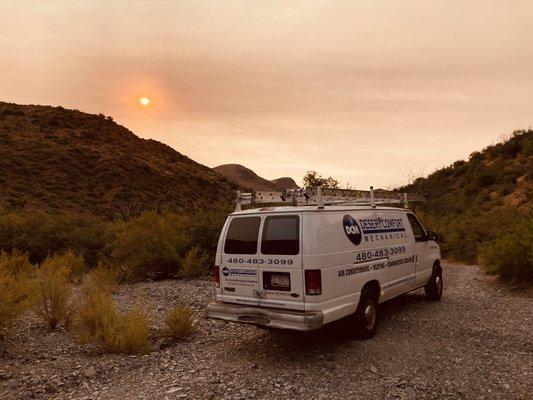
x=365 y=91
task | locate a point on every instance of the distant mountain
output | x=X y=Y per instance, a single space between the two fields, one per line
x=66 y=160
x=285 y=182
x=247 y=178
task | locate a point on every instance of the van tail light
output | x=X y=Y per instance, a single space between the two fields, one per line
x=216 y=275
x=313 y=282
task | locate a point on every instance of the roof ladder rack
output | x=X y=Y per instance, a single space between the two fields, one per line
x=319 y=196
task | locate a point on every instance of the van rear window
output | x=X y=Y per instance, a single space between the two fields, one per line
x=242 y=236
x=281 y=235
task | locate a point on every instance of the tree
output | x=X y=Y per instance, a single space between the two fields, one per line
x=313 y=178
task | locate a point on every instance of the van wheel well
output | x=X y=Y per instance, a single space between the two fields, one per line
x=437 y=267
x=373 y=286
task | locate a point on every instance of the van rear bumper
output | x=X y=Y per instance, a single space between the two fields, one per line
x=271 y=317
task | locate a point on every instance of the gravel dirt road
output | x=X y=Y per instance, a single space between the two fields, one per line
x=476 y=343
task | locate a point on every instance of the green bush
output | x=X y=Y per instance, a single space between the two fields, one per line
x=511 y=255
x=464 y=233
x=52 y=291
x=150 y=245
x=195 y=264
x=203 y=229
x=40 y=234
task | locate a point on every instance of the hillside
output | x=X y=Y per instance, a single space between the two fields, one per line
x=500 y=175
x=483 y=206
x=57 y=159
x=249 y=179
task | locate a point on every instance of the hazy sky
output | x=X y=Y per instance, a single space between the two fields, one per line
x=365 y=91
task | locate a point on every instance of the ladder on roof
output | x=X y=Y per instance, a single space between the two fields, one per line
x=320 y=197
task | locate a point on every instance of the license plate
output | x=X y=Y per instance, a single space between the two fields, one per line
x=281 y=281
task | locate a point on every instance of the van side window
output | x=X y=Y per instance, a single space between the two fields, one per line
x=418 y=229
x=242 y=236
x=281 y=235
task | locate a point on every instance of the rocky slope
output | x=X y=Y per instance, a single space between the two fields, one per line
x=57 y=159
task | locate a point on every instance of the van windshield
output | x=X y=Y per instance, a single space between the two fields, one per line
x=281 y=235
x=242 y=236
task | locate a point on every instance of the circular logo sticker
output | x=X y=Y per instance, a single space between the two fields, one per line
x=351 y=229
x=225 y=271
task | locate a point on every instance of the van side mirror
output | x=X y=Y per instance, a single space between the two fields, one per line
x=434 y=236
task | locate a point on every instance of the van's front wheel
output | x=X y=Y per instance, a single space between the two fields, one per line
x=434 y=287
x=365 y=319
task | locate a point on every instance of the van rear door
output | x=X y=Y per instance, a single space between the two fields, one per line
x=280 y=262
x=239 y=278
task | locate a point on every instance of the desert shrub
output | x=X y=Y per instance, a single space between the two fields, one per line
x=511 y=255
x=203 y=229
x=16 y=264
x=129 y=332
x=39 y=234
x=150 y=245
x=464 y=233
x=73 y=262
x=52 y=292
x=103 y=276
x=98 y=321
x=195 y=264
x=13 y=300
x=486 y=178
x=95 y=312
x=15 y=288
x=180 y=322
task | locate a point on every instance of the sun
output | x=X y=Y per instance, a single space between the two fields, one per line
x=144 y=101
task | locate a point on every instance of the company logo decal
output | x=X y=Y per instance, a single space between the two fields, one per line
x=382 y=225
x=373 y=229
x=225 y=271
x=351 y=229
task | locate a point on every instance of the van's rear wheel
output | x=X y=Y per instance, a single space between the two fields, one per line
x=365 y=319
x=435 y=286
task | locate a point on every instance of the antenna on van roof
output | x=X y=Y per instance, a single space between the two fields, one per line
x=319 y=196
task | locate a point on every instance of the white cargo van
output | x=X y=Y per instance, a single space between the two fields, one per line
x=303 y=267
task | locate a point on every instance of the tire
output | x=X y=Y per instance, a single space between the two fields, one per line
x=365 y=319
x=435 y=286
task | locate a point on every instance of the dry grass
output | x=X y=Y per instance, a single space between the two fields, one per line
x=98 y=321
x=95 y=312
x=103 y=276
x=180 y=322
x=73 y=262
x=51 y=291
x=130 y=332
x=14 y=297
x=16 y=264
